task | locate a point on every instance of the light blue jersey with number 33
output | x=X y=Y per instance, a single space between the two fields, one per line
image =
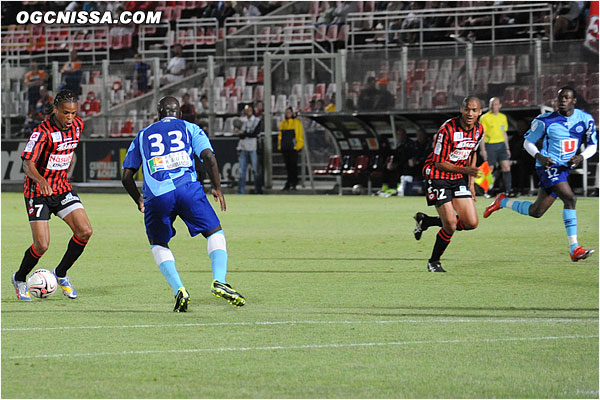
x=165 y=150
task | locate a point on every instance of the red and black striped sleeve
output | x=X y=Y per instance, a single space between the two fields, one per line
x=37 y=143
x=441 y=148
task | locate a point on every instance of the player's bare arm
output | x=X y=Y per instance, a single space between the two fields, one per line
x=212 y=169
x=546 y=162
x=576 y=160
x=129 y=185
x=473 y=163
x=32 y=172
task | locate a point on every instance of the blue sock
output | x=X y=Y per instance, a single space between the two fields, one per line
x=522 y=207
x=167 y=267
x=570 y=220
x=217 y=251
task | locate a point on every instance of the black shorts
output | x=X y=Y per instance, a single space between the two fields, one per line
x=441 y=191
x=61 y=205
x=496 y=152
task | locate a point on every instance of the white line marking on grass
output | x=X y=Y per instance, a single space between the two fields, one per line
x=302 y=347
x=258 y=323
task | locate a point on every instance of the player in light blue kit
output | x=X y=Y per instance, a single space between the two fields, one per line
x=165 y=150
x=563 y=132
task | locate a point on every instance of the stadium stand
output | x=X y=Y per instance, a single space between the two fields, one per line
x=433 y=74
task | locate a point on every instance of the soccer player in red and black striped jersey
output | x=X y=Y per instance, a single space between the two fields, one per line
x=47 y=159
x=450 y=171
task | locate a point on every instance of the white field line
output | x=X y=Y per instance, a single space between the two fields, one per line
x=301 y=347
x=536 y=320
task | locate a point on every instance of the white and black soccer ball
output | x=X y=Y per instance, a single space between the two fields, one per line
x=42 y=283
x=357 y=189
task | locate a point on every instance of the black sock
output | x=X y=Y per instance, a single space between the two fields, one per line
x=431 y=221
x=74 y=250
x=442 y=240
x=30 y=260
x=506 y=176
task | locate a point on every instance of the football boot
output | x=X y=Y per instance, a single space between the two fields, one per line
x=228 y=293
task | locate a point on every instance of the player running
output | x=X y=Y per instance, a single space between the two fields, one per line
x=450 y=171
x=47 y=159
x=165 y=150
x=563 y=132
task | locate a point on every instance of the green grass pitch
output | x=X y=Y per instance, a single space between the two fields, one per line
x=339 y=305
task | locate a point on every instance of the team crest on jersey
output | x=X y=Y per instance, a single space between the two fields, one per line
x=579 y=129
x=568 y=146
x=56 y=136
x=458 y=135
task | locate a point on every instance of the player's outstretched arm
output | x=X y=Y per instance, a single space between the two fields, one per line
x=212 y=169
x=129 y=185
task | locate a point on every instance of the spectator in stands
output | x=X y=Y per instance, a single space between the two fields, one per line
x=203 y=111
x=411 y=21
x=33 y=119
x=342 y=10
x=71 y=74
x=384 y=100
x=326 y=11
x=141 y=75
x=331 y=106
x=247 y=147
x=73 y=6
x=290 y=141
x=267 y=7
x=44 y=99
x=176 y=67
x=219 y=10
x=495 y=147
x=34 y=79
x=568 y=15
x=259 y=109
x=368 y=95
x=247 y=9
x=188 y=111
x=319 y=106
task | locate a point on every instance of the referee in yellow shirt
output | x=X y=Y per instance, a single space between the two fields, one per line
x=494 y=147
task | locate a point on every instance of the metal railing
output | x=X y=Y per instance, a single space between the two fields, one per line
x=250 y=37
x=46 y=43
x=524 y=21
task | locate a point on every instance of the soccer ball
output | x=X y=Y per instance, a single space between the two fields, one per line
x=357 y=189
x=42 y=283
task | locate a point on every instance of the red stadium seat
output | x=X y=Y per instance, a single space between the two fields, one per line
x=320 y=33
x=361 y=165
x=333 y=167
x=332 y=32
x=522 y=96
x=509 y=96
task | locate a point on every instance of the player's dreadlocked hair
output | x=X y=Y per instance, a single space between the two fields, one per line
x=65 y=96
